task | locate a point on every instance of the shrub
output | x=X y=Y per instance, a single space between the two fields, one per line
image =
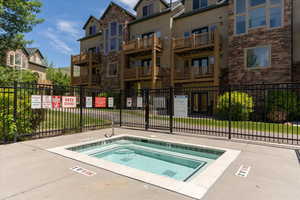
x=240 y=108
x=27 y=119
x=284 y=103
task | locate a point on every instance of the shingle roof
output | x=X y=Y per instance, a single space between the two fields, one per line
x=113 y=3
x=163 y=2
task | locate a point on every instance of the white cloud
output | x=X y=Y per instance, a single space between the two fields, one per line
x=57 y=42
x=129 y=3
x=68 y=27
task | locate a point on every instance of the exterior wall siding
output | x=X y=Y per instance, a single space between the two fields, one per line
x=278 y=39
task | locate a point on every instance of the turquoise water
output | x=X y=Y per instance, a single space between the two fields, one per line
x=166 y=159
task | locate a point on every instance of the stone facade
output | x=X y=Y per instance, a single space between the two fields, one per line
x=113 y=14
x=278 y=38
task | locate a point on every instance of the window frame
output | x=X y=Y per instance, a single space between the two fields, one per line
x=200 y=7
x=267 y=6
x=269 y=47
x=14 y=59
x=18 y=65
x=112 y=63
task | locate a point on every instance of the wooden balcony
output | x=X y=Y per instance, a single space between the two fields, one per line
x=141 y=73
x=142 y=44
x=190 y=74
x=85 y=58
x=195 y=42
x=84 y=80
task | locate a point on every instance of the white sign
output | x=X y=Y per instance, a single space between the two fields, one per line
x=110 y=102
x=88 y=102
x=139 y=102
x=36 y=101
x=47 y=101
x=159 y=102
x=129 y=102
x=181 y=106
x=68 y=102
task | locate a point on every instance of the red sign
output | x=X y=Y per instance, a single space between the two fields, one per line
x=100 y=102
x=55 y=101
x=68 y=102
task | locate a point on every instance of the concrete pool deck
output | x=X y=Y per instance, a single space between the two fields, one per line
x=29 y=171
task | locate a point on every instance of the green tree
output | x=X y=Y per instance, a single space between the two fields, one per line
x=8 y=75
x=57 y=77
x=16 y=18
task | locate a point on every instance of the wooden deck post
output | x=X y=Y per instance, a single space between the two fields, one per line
x=154 y=68
x=172 y=71
x=217 y=58
x=90 y=69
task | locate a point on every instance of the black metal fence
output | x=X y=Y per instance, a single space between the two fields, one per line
x=265 y=112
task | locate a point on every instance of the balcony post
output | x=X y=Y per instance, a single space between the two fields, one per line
x=154 y=69
x=173 y=56
x=194 y=41
x=90 y=69
x=217 y=58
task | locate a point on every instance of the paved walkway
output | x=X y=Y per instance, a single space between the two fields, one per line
x=28 y=171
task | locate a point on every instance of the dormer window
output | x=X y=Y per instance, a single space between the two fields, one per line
x=148 y=10
x=92 y=30
x=197 y=4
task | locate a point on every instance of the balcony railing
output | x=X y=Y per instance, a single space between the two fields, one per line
x=189 y=73
x=140 y=72
x=85 y=58
x=80 y=80
x=142 y=44
x=196 y=41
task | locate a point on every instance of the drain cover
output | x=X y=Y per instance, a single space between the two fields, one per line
x=169 y=173
x=243 y=171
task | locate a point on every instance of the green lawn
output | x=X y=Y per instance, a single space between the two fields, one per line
x=245 y=125
x=66 y=120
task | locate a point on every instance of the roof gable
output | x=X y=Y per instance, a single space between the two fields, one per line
x=138 y=3
x=120 y=7
x=88 y=21
x=31 y=51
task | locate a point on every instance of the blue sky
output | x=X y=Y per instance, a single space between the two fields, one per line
x=64 y=19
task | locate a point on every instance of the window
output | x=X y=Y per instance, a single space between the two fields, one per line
x=18 y=59
x=92 y=30
x=275 y=17
x=257 y=17
x=186 y=34
x=120 y=30
x=258 y=57
x=113 y=69
x=147 y=10
x=106 y=41
x=257 y=13
x=12 y=59
x=200 y=65
x=113 y=44
x=113 y=29
x=92 y=50
x=197 y=4
x=240 y=24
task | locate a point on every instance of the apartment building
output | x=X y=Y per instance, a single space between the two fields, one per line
x=28 y=59
x=191 y=43
x=99 y=63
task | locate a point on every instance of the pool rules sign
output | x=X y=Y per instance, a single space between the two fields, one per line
x=36 y=101
x=180 y=106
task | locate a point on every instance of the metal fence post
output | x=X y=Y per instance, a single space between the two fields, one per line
x=121 y=106
x=171 y=92
x=15 y=109
x=147 y=109
x=81 y=108
x=229 y=113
